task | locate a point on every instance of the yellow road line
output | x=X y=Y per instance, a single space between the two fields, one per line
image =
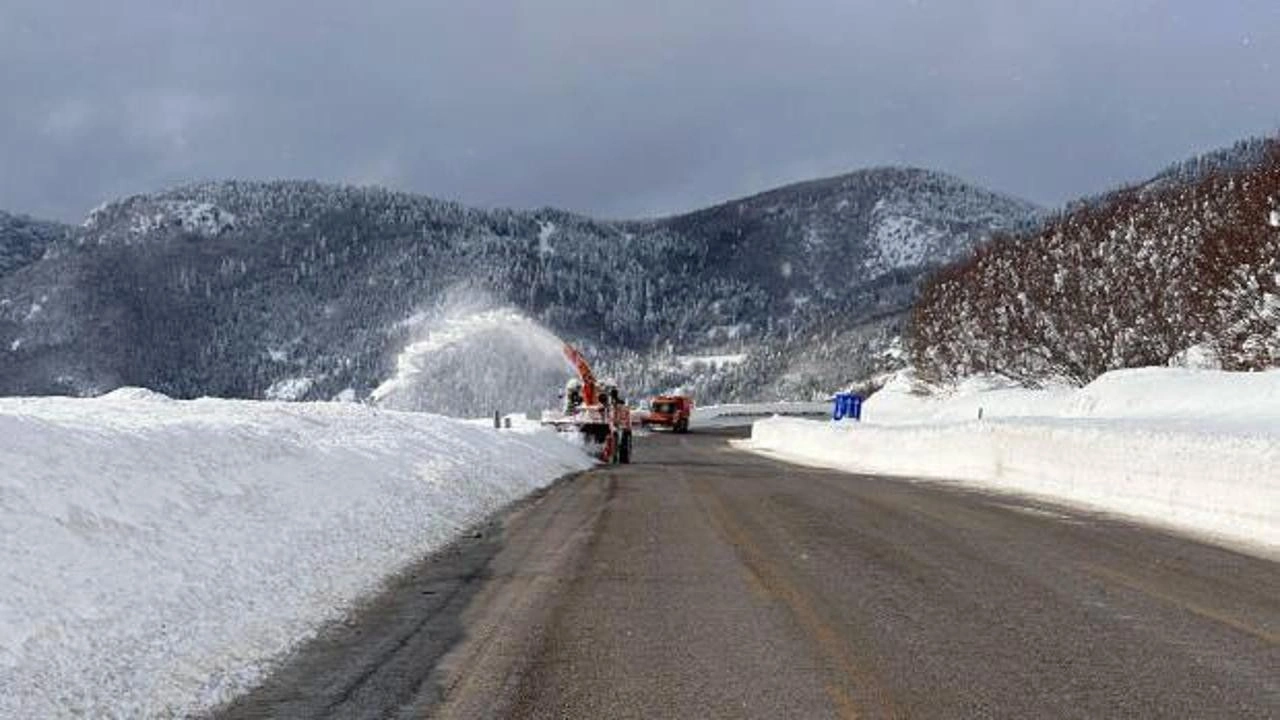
x=767 y=578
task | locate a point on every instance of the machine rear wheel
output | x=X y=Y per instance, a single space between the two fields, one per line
x=624 y=448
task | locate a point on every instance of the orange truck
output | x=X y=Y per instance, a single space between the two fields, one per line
x=670 y=411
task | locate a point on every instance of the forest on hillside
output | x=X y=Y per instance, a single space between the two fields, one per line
x=1130 y=281
x=234 y=288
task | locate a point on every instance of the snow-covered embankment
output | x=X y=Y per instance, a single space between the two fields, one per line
x=1196 y=450
x=157 y=555
x=740 y=413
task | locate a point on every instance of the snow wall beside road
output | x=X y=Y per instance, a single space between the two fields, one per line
x=157 y=555
x=1194 y=450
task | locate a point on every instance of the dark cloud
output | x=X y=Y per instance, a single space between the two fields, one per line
x=619 y=108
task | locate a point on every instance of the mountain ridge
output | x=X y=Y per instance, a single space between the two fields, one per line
x=204 y=288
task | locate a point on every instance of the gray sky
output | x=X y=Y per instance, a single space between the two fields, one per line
x=619 y=108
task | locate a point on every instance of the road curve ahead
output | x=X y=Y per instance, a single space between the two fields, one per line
x=704 y=582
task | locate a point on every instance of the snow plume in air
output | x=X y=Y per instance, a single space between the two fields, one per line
x=469 y=360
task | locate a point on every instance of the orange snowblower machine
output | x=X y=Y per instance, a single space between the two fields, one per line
x=595 y=410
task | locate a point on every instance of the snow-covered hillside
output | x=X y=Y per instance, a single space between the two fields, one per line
x=1131 y=281
x=914 y=226
x=149 y=216
x=24 y=241
x=229 y=289
x=157 y=555
x=1196 y=450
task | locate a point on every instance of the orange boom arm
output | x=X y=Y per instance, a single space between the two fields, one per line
x=584 y=373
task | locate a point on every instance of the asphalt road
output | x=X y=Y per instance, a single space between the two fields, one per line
x=704 y=582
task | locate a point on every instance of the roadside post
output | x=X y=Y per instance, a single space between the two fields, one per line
x=847 y=405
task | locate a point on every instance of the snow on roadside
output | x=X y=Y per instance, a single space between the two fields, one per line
x=157 y=555
x=747 y=410
x=1195 y=450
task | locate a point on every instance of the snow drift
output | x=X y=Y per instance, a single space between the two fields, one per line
x=1196 y=450
x=157 y=555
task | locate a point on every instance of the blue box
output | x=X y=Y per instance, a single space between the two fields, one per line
x=847 y=405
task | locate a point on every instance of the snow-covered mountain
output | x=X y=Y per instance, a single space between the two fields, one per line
x=233 y=288
x=24 y=240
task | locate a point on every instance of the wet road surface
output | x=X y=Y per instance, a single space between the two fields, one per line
x=705 y=582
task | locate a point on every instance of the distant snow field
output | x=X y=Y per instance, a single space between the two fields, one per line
x=1195 y=450
x=712 y=362
x=158 y=555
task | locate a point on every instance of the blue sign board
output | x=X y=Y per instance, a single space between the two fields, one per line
x=847 y=405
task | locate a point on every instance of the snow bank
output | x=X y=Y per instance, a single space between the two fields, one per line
x=157 y=554
x=749 y=410
x=1196 y=400
x=1196 y=450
